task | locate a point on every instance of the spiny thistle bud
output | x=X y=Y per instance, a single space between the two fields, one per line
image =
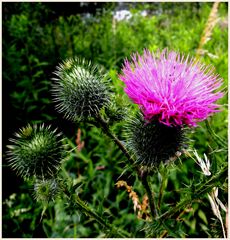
x=46 y=190
x=36 y=151
x=153 y=142
x=117 y=109
x=80 y=89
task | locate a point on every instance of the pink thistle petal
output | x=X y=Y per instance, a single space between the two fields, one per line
x=172 y=88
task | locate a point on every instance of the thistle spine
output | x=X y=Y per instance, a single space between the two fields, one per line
x=80 y=89
x=36 y=151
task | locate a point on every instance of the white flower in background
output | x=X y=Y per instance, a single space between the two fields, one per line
x=122 y=15
x=204 y=164
x=144 y=13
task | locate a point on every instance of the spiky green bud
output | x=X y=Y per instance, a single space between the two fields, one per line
x=153 y=142
x=80 y=89
x=117 y=109
x=46 y=190
x=36 y=151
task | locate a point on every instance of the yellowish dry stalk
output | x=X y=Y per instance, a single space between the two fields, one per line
x=206 y=35
x=164 y=234
x=132 y=194
x=142 y=212
x=80 y=144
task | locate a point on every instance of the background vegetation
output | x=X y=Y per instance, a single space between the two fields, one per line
x=36 y=37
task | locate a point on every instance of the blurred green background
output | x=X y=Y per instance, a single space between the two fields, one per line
x=36 y=37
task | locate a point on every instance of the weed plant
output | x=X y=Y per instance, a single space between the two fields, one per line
x=102 y=194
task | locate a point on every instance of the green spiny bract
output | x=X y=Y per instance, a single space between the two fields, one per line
x=46 y=190
x=80 y=89
x=153 y=142
x=36 y=151
x=117 y=110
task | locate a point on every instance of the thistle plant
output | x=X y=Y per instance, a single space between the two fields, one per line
x=46 y=190
x=153 y=143
x=173 y=93
x=36 y=151
x=215 y=202
x=171 y=88
x=80 y=89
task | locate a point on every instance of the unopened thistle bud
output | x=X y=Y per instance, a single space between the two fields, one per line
x=46 y=190
x=80 y=89
x=36 y=151
x=153 y=142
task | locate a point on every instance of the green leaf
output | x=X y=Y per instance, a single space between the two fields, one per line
x=202 y=215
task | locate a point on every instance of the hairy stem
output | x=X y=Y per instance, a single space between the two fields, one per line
x=93 y=214
x=76 y=201
x=215 y=180
x=200 y=190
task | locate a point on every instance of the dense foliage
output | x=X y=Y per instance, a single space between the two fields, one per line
x=36 y=37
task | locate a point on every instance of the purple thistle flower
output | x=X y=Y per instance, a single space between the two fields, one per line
x=170 y=88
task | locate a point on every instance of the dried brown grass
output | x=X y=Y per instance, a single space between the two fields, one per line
x=207 y=33
x=141 y=208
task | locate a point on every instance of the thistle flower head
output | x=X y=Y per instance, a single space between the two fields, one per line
x=79 y=90
x=36 y=151
x=170 y=88
x=46 y=190
x=154 y=142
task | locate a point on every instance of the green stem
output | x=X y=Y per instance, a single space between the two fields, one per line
x=145 y=181
x=99 y=219
x=142 y=176
x=200 y=190
x=214 y=181
x=173 y=211
x=161 y=192
x=218 y=139
x=107 y=131
x=75 y=199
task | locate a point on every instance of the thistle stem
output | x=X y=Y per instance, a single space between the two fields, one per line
x=145 y=181
x=201 y=189
x=218 y=139
x=75 y=199
x=161 y=192
x=99 y=219
x=107 y=131
x=142 y=176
